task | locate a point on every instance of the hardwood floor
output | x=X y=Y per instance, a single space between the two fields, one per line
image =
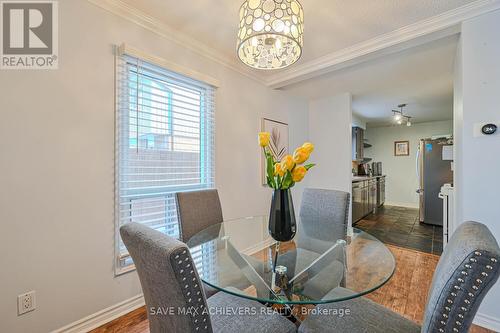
x=405 y=293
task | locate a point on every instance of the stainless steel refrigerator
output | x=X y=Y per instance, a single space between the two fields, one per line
x=432 y=172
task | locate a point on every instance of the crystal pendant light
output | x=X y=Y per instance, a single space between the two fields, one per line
x=270 y=34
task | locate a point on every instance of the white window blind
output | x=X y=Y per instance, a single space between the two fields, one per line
x=164 y=144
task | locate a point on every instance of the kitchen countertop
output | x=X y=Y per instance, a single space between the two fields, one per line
x=356 y=179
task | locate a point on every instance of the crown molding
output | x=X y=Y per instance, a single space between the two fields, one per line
x=440 y=25
x=412 y=35
x=152 y=24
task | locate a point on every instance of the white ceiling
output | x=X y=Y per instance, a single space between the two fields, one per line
x=330 y=25
x=421 y=76
x=336 y=31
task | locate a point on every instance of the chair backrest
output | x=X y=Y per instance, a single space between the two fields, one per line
x=324 y=214
x=169 y=281
x=197 y=210
x=467 y=269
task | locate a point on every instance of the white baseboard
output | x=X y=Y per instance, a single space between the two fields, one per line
x=488 y=322
x=401 y=204
x=102 y=317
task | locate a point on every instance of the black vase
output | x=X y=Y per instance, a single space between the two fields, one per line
x=282 y=225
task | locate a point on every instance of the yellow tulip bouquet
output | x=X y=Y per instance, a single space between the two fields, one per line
x=282 y=175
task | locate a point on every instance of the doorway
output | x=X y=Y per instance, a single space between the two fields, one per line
x=406 y=126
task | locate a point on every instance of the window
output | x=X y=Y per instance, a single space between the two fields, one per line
x=164 y=144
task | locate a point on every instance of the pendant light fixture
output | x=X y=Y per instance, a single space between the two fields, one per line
x=399 y=117
x=270 y=34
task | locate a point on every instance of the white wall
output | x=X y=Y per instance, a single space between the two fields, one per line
x=401 y=180
x=57 y=164
x=458 y=115
x=479 y=158
x=330 y=131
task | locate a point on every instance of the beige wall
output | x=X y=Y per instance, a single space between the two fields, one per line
x=401 y=180
x=57 y=165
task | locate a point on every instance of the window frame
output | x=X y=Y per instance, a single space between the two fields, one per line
x=204 y=134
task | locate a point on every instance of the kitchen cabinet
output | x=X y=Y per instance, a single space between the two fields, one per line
x=380 y=191
x=357 y=201
x=358 y=136
x=372 y=190
x=361 y=204
x=366 y=199
x=366 y=196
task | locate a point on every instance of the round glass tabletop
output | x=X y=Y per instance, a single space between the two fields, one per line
x=320 y=265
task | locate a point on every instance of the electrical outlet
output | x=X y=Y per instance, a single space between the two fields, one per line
x=26 y=302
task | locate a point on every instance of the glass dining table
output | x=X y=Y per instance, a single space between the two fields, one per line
x=319 y=265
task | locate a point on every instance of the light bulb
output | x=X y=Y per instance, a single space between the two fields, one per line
x=408 y=123
x=400 y=122
x=397 y=117
x=278 y=44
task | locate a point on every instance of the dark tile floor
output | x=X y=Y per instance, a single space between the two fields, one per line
x=400 y=226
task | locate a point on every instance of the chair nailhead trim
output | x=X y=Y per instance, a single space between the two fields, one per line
x=181 y=263
x=461 y=280
x=454 y=294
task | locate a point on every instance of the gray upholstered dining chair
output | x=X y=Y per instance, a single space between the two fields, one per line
x=171 y=285
x=324 y=215
x=198 y=210
x=323 y=220
x=467 y=269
